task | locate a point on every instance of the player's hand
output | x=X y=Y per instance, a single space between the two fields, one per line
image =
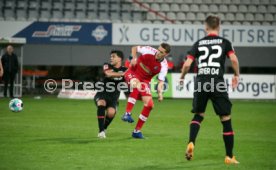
x=133 y=61
x=160 y=97
x=1 y=73
x=235 y=82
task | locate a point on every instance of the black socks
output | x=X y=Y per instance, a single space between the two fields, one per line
x=194 y=127
x=228 y=137
x=101 y=117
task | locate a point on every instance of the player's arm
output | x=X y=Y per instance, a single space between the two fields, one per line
x=142 y=50
x=235 y=65
x=160 y=88
x=186 y=67
x=1 y=68
x=192 y=53
x=161 y=80
x=134 y=51
x=109 y=73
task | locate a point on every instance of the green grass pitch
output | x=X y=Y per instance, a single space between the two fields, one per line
x=61 y=134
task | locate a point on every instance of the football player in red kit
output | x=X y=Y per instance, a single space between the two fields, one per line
x=138 y=76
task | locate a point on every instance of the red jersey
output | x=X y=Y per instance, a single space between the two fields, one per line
x=148 y=66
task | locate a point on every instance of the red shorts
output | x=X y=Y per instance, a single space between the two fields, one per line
x=129 y=75
x=145 y=87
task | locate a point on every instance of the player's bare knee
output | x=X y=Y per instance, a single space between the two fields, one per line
x=225 y=118
x=111 y=112
x=101 y=103
x=201 y=114
x=134 y=83
x=149 y=104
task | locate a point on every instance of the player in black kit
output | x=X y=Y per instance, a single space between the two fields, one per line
x=108 y=93
x=210 y=52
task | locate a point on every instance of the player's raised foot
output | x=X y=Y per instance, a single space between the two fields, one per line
x=190 y=151
x=127 y=118
x=229 y=160
x=137 y=134
x=101 y=135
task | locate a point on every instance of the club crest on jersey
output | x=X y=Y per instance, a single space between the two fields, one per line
x=155 y=68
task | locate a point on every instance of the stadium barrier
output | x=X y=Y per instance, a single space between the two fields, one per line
x=59 y=32
x=250 y=87
x=133 y=34
x=186 y=35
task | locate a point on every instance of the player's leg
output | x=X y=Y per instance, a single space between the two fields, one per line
x=6 y=83
x=132 y=98
x=101 y=106
x=228 y=138
x=133 y=85
x=111 y=112
x=12 y=78
x=148 y=106
x=199 y=105
x=194 y=129
x=222 y=107
x=195 y=126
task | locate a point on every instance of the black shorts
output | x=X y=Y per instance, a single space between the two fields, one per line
x=221 y=102
x=111 y=100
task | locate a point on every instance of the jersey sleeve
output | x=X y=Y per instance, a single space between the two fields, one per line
x=229 y=48
x=163 y=72
x=146 y=50
x=192 y=53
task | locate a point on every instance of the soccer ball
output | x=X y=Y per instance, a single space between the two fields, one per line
x=16 y=105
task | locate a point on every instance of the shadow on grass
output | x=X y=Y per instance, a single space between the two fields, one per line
x=80 y=140
x=179 y=165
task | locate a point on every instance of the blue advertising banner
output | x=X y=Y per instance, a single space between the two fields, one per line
x=67 y=33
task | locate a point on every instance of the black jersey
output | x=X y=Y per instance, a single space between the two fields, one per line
x=210 y=53
x=109 y=85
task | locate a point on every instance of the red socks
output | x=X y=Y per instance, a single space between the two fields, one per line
x=132 y=100
x=143 y=117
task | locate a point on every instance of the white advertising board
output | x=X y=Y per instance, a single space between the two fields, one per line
x=186 y=35
x=249 y=87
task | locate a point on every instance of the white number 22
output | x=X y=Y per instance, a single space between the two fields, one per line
x=210 y=62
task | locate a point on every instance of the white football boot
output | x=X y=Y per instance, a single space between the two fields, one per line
x=101 y=135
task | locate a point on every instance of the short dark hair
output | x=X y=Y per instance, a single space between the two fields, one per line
x=118 y=53
x=212 y=21
x=166 y=46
